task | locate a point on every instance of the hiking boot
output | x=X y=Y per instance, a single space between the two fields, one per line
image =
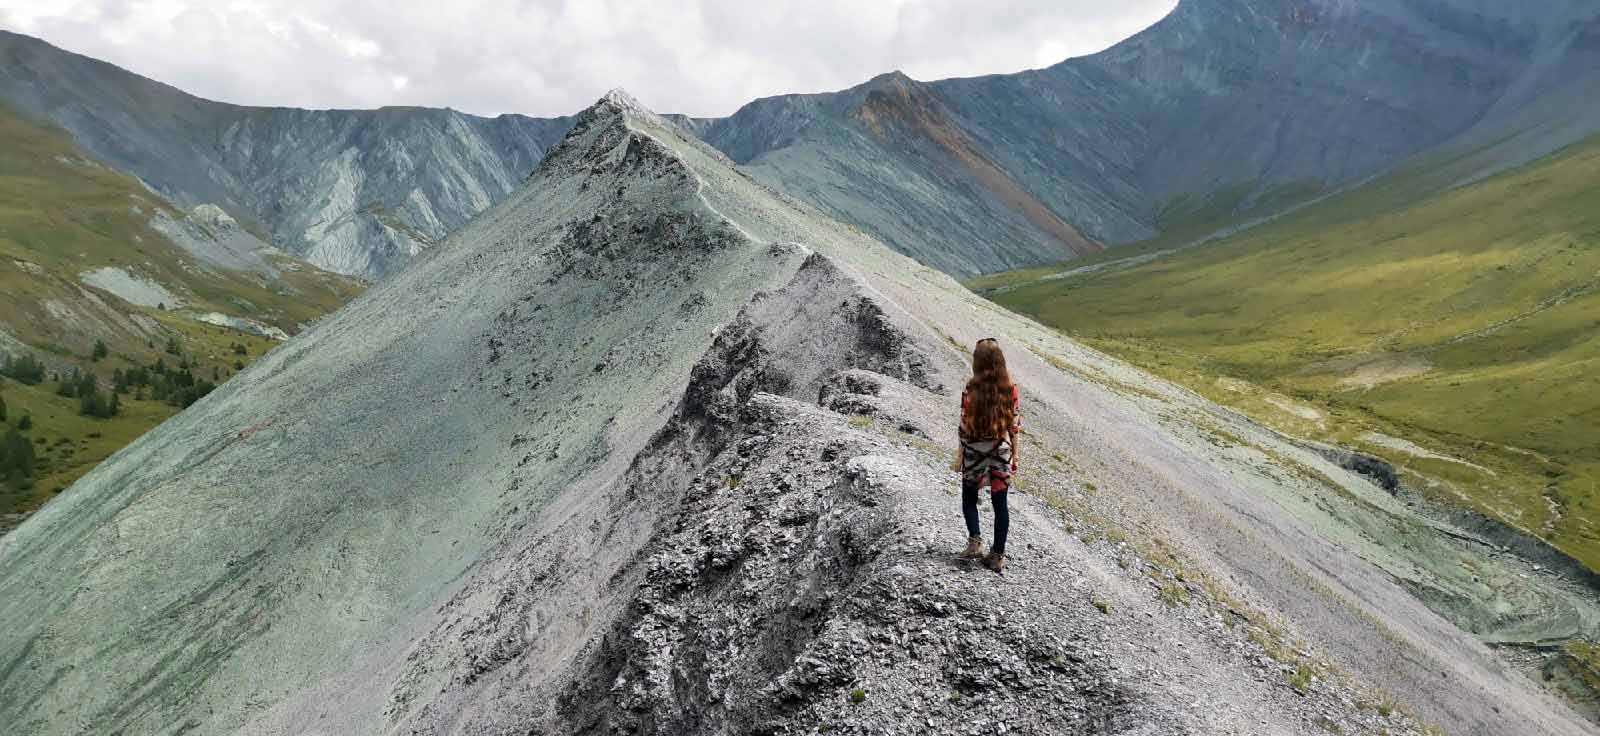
x=995 y=561
x=974 y=549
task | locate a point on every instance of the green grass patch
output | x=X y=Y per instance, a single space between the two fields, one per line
x=1467 y=323
x=1174 y=594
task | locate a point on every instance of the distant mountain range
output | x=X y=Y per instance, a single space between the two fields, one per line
x=353 y=191
x=1224 y=109
x=1230 y=107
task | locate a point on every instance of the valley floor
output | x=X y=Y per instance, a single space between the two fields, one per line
x=1455 y=336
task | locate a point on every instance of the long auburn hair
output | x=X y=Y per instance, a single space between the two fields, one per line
x=991 y=407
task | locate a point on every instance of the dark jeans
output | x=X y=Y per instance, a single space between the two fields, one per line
x=1002 y=517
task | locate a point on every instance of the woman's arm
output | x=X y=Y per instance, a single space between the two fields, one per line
x=960 y=423
x=1016 y=424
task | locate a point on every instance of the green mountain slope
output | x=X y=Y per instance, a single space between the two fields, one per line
x=76 y=243
x=1456 y=335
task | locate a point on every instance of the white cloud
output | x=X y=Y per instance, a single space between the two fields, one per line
x=552 y=57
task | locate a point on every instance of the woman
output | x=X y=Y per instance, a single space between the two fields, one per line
x=991 y=417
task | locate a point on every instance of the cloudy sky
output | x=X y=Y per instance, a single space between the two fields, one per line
x=553 y=57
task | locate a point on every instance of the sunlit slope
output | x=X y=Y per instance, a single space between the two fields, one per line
x=1466 y=323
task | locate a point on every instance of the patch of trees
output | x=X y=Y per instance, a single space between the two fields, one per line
x=91 y=401
x=25 y=370
x=176 y=386
x=16 y=458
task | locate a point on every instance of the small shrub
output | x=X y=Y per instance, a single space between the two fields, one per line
x=1174 y=595
x=1301 y=678
x=858 y=695
x=861 y=421
x=1102 y=604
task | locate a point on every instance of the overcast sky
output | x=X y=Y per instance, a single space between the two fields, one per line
x=554 y=57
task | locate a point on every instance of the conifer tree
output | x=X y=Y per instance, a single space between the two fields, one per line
x=16 y=456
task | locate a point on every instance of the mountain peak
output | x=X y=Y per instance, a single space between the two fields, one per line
x=896 y=79
x=620 y=100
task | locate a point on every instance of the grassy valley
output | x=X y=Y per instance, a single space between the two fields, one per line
x=1456 y=335
x=66 y=220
